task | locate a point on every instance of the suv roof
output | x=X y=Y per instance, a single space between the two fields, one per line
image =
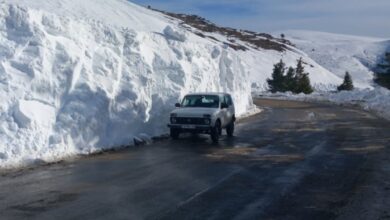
x=209 y=93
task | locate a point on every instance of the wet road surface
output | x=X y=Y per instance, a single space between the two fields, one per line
x=293 y=161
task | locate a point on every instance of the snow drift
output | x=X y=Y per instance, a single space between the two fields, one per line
x=77 y=77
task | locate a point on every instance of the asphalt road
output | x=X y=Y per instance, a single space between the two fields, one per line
x=293 y=161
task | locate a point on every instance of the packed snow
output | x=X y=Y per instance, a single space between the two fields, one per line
x=78 y=77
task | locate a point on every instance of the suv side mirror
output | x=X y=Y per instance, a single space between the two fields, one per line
x=177 y=105
x=224 y=105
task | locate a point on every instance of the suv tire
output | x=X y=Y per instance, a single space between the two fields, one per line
x=230 y=129
x=216 y=131
x=175 y=133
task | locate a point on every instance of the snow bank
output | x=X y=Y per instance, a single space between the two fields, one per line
x=375 y=100
x=174 y=34
x=34 y=113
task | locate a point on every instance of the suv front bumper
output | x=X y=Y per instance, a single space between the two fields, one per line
x=191 y=128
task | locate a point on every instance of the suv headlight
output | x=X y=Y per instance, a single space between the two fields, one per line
x=207 y=121
x=173 y=120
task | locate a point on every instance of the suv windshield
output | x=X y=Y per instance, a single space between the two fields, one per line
x=201 y=101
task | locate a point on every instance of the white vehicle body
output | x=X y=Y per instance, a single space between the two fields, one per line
x=203 y=113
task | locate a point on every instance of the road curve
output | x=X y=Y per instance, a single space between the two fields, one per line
x=293 y=161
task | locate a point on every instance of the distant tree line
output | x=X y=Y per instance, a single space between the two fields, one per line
x=295 y=80
x=382 y=76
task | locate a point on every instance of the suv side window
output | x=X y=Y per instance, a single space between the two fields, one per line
x=225 y=100
x=228 y=99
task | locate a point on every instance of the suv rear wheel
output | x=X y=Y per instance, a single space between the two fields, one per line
x=216 y=131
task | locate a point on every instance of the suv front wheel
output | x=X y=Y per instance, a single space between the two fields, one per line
x=175 y=133
x=216 y=131
x=230 y=129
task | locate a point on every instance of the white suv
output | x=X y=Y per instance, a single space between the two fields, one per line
x=206 y=113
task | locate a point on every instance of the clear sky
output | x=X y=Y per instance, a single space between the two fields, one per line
x=356 y=17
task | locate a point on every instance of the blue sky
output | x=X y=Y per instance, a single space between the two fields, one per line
x=356 y=17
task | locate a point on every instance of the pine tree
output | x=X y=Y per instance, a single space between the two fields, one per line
x=385 y=66
x=302 y=80
x=300 y=70
x=382 y=77
x=290 y=79
x=304 y=84
x=277 y=82
x=347 y=84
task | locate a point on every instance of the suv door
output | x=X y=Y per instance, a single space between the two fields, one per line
x=227 y=112
x=222 y=111
x=230 y=110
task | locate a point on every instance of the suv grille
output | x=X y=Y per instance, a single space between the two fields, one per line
x=190 y=121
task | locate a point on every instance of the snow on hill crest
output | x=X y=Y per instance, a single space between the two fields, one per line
x=340 y=53
x=77 y=77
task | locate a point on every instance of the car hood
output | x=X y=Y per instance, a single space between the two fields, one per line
x=194 y=112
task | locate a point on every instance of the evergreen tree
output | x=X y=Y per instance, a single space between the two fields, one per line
x=277 y=82
x=347 y=84
x=382 y=77
x=290 y=79
x=303 y=85
x=300 y=70
x=302 y=80
x=385 y=66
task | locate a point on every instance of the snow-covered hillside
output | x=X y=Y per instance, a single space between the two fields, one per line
x=341 y=53
x=80 y=76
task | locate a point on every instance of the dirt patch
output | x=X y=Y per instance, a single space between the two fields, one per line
x=281 y=104
x=363 y=149
x=54 y=199
x=251 y=155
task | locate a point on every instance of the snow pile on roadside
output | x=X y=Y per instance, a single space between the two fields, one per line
x=375 y=100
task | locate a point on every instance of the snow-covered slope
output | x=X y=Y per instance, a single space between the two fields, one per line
x=341 y=53
x=80 y=76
